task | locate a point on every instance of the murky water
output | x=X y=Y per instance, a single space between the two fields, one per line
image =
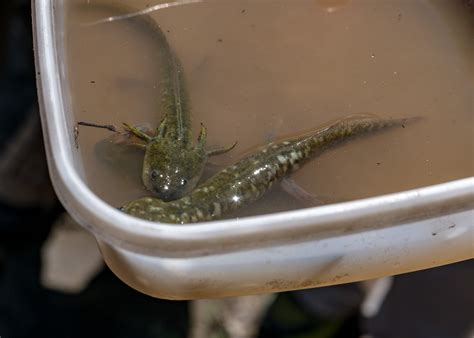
x=258 y=70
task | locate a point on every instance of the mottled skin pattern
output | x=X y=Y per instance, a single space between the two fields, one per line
x=172 y=164
x=248 y=179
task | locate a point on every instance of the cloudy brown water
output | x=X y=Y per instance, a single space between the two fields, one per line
x=258 y=70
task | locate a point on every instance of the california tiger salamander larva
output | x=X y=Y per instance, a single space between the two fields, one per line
x=173 y=164
x=248 y=179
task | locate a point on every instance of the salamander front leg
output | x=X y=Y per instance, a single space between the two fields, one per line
x=137 y=132
x=221 y=151
x=202 y=138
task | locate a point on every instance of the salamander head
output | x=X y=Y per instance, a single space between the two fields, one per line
x=171 y=171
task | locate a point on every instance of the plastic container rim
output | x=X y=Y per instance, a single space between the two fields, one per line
x=123 y=230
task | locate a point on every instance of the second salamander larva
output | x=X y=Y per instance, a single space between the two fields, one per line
x=248 y=179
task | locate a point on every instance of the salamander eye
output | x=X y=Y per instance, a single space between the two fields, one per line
x=184 y=182
x=154 y=174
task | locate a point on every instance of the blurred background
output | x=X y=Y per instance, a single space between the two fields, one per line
x=53 y=282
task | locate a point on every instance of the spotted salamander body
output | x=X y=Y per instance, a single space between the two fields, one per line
x=249 y=179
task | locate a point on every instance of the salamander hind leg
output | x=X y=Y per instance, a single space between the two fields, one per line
x=202 y=138
x=161 y=130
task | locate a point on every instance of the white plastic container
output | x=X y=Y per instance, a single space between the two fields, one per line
x=325 y=245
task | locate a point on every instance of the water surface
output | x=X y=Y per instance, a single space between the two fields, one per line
x=259 y=70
